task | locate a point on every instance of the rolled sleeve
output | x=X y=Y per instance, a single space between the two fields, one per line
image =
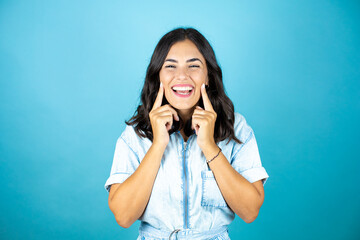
x=246 y=158
x=125 y=162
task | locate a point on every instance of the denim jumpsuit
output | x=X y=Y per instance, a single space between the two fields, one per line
x=186 y=202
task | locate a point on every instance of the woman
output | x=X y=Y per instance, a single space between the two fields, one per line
x=186 y=163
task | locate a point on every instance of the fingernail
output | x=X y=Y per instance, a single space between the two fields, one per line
x=161 y=84
x=203 y=85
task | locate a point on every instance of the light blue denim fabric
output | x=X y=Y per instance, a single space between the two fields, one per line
x=185 y=196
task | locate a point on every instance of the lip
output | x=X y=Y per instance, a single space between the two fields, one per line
x=183 y=85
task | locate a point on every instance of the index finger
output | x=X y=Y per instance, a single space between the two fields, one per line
x=206 y=100
x=159 y=97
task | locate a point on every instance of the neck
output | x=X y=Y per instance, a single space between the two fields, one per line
x=186 y=114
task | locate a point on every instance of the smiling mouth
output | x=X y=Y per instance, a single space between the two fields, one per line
x=182 y=91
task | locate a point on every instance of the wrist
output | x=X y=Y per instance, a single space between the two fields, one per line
x=210 y=150
x=159 y=146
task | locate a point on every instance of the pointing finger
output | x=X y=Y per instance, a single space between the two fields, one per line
x=206 y=100
x=159 y=97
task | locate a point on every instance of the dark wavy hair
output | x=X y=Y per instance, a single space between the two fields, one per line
x=223 y=106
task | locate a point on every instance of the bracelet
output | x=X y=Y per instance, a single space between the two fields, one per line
x=207 y=161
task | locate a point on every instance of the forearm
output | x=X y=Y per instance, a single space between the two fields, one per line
x=129 y=200
x=241 y=196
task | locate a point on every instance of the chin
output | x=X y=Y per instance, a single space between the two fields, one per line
x=182 y=107
x=185 y=104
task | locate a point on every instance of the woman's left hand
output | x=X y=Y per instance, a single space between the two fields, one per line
x=203 y=121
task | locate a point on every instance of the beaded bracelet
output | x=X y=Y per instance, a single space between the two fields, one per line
x=207 y=161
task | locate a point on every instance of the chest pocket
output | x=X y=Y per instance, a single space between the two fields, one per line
x=211 y=195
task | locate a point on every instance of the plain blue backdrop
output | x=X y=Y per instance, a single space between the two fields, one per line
x=71 y=72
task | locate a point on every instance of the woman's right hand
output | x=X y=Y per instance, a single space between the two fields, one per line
x=161 y=118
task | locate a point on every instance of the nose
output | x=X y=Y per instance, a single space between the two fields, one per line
x=182 y=73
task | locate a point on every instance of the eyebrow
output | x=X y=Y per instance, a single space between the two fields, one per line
x=189 y=60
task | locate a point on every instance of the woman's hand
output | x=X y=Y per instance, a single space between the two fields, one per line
x=161 y=118
x=203 y=121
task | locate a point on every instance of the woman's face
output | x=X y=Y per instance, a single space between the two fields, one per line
x=182 y=74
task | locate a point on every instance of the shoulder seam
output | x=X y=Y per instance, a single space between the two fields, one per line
x=242 y=145
x=130 y=148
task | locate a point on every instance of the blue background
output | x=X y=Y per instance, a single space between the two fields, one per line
x=71 y=72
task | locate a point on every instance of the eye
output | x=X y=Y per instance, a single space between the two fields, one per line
x=194 y=66
x=170 y=66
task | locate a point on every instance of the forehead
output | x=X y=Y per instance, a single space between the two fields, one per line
x=185 y=49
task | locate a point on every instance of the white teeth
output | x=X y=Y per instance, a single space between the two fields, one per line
x=182 y=88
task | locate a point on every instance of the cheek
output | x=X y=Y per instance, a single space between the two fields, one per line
x=199 y=77
x=197 y=94
x=167 y=93
x=165 y=76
